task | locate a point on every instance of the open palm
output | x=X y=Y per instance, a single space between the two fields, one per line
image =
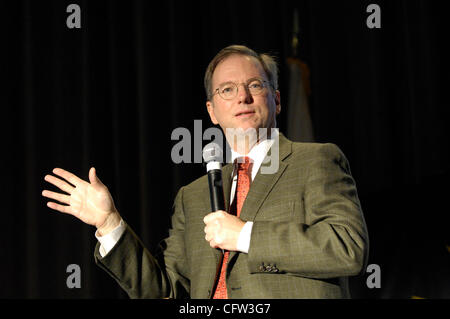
x=91 y=202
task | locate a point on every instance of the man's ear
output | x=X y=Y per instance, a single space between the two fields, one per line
x=210 y=108
x=277 y=101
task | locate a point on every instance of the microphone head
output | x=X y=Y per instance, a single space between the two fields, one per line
x=212 y=152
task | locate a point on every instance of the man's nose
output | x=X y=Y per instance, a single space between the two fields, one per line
x=244 y=94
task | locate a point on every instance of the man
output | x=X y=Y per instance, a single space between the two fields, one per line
x=297 y=232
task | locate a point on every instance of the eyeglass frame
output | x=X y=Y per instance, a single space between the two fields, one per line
x=264 y=82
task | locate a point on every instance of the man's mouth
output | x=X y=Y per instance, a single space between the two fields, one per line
x=245 y=113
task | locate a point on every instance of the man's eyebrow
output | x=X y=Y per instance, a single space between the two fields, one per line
x=227 y=82
x=253 y=78
x=248 y=80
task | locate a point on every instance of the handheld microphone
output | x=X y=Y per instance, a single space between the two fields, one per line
x=212 y=155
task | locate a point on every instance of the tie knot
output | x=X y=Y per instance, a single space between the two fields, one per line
x=243 y=163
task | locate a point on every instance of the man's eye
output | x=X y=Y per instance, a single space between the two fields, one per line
x=255 y=85
x=227 y=89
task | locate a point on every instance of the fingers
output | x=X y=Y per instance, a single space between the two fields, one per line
x=212 y=224
x=62 y=185
x=210 y=232
x=60 y=208
x=214 y=240
x=222 y=230
x=213 y=244
x=62 y=198
x=212 y=216
x=71 y=178
x=213 y=229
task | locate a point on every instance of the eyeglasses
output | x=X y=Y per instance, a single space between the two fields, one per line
x=229 y=90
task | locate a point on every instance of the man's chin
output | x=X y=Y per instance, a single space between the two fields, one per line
x=257 y=132
x=248 y=125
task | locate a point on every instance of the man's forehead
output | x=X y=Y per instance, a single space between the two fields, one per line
x=238 y=68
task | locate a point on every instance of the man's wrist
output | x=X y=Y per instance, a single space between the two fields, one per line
x=243 y=243
x=111 y=222
x=109 y=240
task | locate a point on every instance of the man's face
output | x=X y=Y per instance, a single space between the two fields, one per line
x=245 y=110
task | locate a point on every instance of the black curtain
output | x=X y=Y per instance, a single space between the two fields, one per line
x=110 y=94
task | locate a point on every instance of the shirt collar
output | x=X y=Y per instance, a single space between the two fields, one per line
x=258 y=152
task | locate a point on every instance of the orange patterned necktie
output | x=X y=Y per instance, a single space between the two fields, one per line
x=242 y=187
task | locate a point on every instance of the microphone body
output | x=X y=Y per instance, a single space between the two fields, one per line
x=212 y=154
x=216 y=190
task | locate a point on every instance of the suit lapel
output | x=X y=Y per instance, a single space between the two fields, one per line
x=226 y=178
x=263 y=183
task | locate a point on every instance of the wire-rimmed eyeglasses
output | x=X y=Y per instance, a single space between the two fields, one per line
x=229 y=90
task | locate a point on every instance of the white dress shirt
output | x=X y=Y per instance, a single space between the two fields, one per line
x=256 y=155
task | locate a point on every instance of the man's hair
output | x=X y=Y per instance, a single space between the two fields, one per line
x=267 y=62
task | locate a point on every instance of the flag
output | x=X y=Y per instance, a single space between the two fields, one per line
x=299 y=124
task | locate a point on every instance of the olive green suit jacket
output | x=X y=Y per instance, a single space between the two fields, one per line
x=308 y=236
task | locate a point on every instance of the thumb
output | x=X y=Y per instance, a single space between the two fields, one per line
x=93 y=179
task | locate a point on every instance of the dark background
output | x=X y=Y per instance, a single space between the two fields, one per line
x=110 y=94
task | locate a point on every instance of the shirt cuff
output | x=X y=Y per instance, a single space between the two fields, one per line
x=108 y=241
x=243 y=243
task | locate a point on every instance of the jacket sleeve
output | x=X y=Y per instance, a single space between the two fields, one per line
x=334 y=241
x=144 y=275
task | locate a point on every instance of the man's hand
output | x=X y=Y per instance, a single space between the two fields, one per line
x=222 y=230
x=91 y=202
